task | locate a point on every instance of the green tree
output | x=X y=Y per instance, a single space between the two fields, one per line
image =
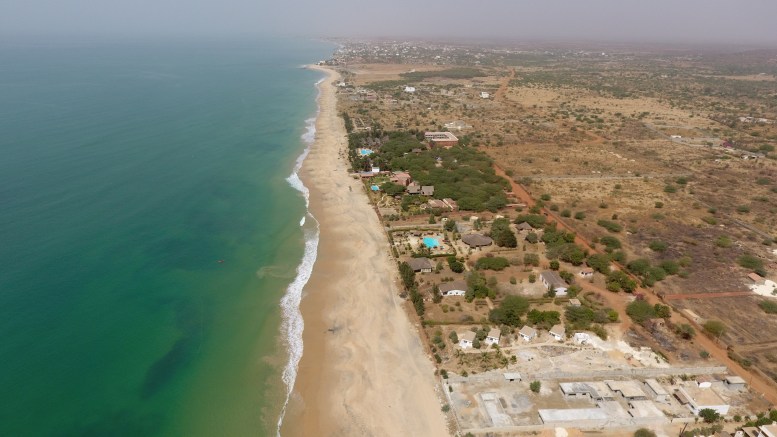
x=407 y=274
x=392 y=189
x=531 y=259
x=535 y=386
x=497 y=263
x=455 y=265
x=532 y=238
x=554 y=265
x=685 y=331
x=657 y=246
x=509 y=311
x=640 y=311
x=534 y=220
x=599 y=262
x=501 y=233
x=709 y=415
x=453 y=337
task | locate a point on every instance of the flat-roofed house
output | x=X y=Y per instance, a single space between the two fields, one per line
x=558 y=332
x=466 y=339
x=427 y=190
x=768 y=430
x=698 y=399
x=630 y=390
x=735 y=382
x=441 y=139
x=528 y=333
x=551 y=280
x=656 y=390
x=413 y=188
x=493 y=336
x=423 y=265
x=581 y=337
x=452 y=204
x=453 y=288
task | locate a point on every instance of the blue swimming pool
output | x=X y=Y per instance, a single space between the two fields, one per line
x=365 y=152
x=374 y=187
x=431 y=242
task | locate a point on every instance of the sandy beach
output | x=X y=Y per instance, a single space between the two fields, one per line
x=364 y=370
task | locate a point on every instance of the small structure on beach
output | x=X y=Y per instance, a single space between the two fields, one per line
x=476 y=240
x=423 y=265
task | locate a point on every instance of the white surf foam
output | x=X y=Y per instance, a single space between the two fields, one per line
x=293 y=325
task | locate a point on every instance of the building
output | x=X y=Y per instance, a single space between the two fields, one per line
x=453 y=288
x=466 y=339
x=558 y=332
x=597 y=391
x=427 y=190
x=756 y=278
x=644 y=410
x=697 y=399
x=656 y=391
x=409 y=89
x=375 y=170
x=484 y=95
x=630 y=390
x=493 y=336
x=437 y=204
x=523 y=226
x=512 y=376
x=401 y=178
x=575 y=302
x=441 y=139
x=768 y=430
x=452 y=204
x=587 y=273
x=528 y=333
x=476 y=240
x=735 y=382
x=552 y=281
x=413 y=188
x=457 y=125
x=423 y=265
x=581 y=337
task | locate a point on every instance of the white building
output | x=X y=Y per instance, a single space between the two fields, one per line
x=466 y=339
x=409 y=89
x=551 y=280
x=698 y=399
x=657 y=391
x=581 y=338
x=453 y=288
x=558 y=332
x=493 y=336
x=528 y=333
x=484 y=95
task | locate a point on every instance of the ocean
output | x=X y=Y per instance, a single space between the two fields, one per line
x=153 y=235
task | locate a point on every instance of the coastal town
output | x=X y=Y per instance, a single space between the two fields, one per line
x=575 y=256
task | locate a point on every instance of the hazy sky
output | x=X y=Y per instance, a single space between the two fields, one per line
x=750 y=21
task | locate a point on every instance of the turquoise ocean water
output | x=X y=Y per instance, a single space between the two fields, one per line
x=127 y=173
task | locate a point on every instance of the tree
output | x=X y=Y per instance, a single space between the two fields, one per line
x=501 y=233
x=535 y=386
x=709 y=415
x=599 y=262
x=685 y=331
x=534 y=220
x=531 y=259
x=714 y=328
x=453 y=337
x=492 y=263
x=657 y=246
x=554 y=265
x=450 y=225
x=455 y=265
x=392 y=189
x=509 y=312
x=644 y=432
x=662 y=311
x=532 y=238
x=407 y=274
x=640 y=311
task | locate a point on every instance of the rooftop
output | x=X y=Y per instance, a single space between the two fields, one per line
x=440 y=136
x=558 y=330
x=552 y=278
x=629 y=389
x=494 y=333
x=735 y=380
x=469 y=336
x=420 y=263
x=656 y=387
x=476 y=240
x=572 y=415
x=702 y=396
x=528 y=331
x=453 y=285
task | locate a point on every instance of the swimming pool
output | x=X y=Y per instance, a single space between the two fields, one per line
x=431 y=242
x=374 y=187
x=365 y=152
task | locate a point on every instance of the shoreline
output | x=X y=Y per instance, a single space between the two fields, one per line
x=361 y=353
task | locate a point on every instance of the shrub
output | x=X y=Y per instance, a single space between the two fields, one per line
x=751 y=262
x=580 y=215
x=534 y=220
x=743 y=209
x=640 y=311
x=610 y=242
x=670 y=189
x=685 y=331
x=455 y=265
x=723 y=241
x=531 y=259
x=659 y=204
x=501 y=233
x=610 y=225
x=545 y=197
x=509 y=311
x=644 y=432
x=769 y=306
x=657 y=246
x=599 y=262
x=535 y=386
x=566 y=213
x=715 y=328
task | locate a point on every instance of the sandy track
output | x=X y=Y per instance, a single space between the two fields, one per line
x=364 y=371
